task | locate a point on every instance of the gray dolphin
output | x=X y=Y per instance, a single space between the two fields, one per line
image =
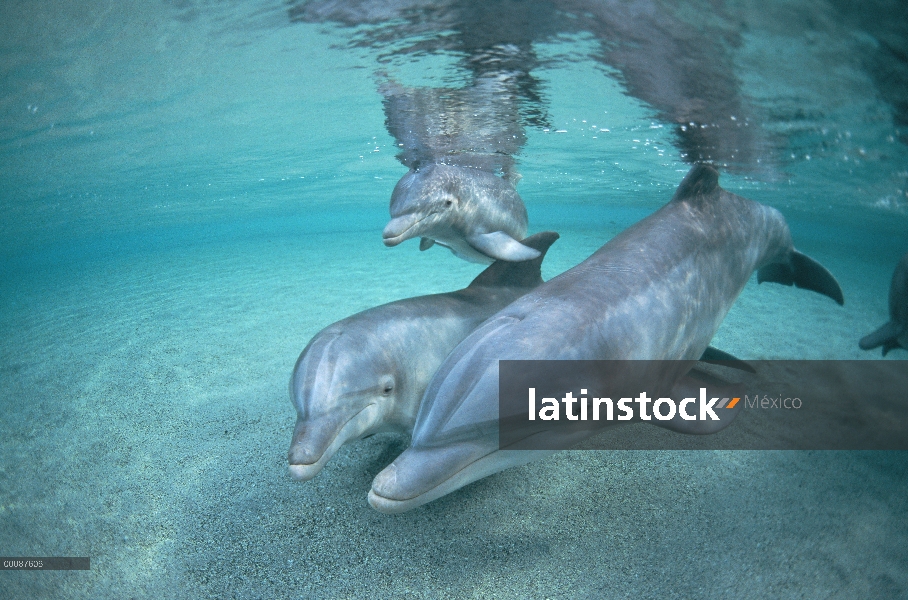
x=476 y=214
x=658 y=290
x=893 y=334
x=367 y=373
x=459 y=146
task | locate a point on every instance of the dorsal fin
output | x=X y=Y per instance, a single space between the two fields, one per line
x=512 y=177
x=701 y=180
x=518 y=274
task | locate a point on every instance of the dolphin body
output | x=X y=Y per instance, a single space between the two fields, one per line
x=367 y=373
x=893 y=334
x=658 y=290
x=476 y=214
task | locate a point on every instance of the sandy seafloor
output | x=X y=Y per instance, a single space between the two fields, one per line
x=146 y=350
x=147 y=422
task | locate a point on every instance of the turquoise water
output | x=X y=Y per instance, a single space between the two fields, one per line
x=191 y=190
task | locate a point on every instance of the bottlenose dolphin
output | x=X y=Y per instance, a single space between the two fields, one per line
x=476 y=214
x=658 y=290
x=459 y=191
x=893 y=334
x=367 y=373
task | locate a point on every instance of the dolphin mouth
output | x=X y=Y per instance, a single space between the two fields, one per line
x=304 y=471
x=397 y=228
x=388 y=505
x=384 y=498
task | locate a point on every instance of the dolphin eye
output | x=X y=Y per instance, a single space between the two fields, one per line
x=449 y=203
x=387 y=385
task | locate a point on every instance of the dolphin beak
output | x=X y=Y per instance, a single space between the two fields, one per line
x=421 y=475
x=316 y=440
x=400 y=229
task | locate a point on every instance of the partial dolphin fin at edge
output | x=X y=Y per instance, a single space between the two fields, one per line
x=886 y=336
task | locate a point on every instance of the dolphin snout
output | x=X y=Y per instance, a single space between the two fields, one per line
x=423 y=474
x=304 y=472
x=400 y=229
x=308 y=449
x=316 y=440
x=420 y=475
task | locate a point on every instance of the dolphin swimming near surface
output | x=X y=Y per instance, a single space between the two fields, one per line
x=367 y=373
x=893 y=334
x=459 y=191
x=479 y=216
x=657 y=291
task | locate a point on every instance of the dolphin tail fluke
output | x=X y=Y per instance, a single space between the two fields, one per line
x=886 y=336
x=518 y=274
x=803 y=272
